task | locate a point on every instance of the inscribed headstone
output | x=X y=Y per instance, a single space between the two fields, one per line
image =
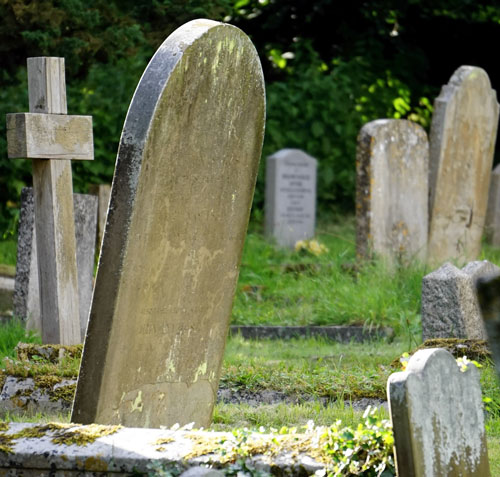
x=449 y=304
x=392 y=164
x=462 y=142
x=492 y=223
x=179 y=208
x=290 y=204
x=26 y=290
x=438 y=418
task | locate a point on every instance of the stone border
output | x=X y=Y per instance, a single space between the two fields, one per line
x=69 y=449
x=342 y=334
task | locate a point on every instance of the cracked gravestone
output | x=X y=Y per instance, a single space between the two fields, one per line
x=26 y=291
x=449 y=304
x=290 y=205
x=462 y=142
x=438 y=418
x=391 y=191
x=179 y=208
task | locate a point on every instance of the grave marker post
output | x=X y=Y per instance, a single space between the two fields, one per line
x=51 y=138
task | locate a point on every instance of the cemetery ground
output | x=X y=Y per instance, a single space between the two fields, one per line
x=277 y=383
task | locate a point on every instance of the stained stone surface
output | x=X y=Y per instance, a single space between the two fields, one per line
x=179 y=208
x=392 y=191
x=26 y=290
x=492 y=222
x=133 y=451
x=462 y=142
x=438 y=418
x=449 y=303
x=290 y=204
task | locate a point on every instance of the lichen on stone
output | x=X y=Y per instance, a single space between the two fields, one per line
x=63 y=393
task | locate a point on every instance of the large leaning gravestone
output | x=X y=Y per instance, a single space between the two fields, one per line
x=392 y=163
x=462 y=142
x=179 y=208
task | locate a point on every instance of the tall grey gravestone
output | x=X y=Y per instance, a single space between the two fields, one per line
x=392 y=190
x=462 y=142
x=492 y=223
x=290 y=204
x=438 y=418
x=180 y=202
x=26 y=290
x=449 y=304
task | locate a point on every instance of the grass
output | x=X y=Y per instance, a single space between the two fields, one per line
x=278 y=286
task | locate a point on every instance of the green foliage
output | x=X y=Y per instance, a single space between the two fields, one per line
x=283 y=287
x=366 y=450
x=11 y=333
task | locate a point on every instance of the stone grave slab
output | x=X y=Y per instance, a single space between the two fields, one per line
x=449 y=304
x=438 y=418
x=26 y=291
x=68 y=449
x=392 y=164
x=179 y=208
x=462 y=142
x=290 y=203
x=492 y=221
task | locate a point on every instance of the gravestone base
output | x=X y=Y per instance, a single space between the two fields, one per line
x=114 y=450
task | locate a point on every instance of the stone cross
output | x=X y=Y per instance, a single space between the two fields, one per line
x=449 y=305
x=462 y=143
x=392 y=163
x=176 y=224
x=51 y=138
x=438 y=418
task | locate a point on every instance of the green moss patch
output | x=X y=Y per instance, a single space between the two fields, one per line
x=49 y=353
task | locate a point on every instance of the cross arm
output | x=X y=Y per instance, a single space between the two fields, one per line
x=49 y=136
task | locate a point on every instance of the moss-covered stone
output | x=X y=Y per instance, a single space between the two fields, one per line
x=50 y=353
x=63 y=393
x=476 y=350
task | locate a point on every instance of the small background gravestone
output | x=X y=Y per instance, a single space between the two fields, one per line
x=179 y=208
x=492 y=223
x=449 y=304
x=26 y=290
x=290 y=204
x=391 y=193
x=462 y=142
x=438 y=418
x=102 y=191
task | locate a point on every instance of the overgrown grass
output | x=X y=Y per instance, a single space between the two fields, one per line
x=8 y=252
x=279 y=286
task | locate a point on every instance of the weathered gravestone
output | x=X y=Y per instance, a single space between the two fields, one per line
x=26 y=291
x=449 y=304
x=290 y=204
x=492 y=222
x=102 y=191
x=488 y=292
x=437 y=417
x=462 y=142
x=51 y=138
x=392 y=190
x=179 y=208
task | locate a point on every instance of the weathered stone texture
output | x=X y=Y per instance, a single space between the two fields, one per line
x=392 y=191
x=492 y=222
x=438 y=418
x=179 y=208
x=462 y=142
x=290 y=204
x=449 y=304
x=26 y=292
